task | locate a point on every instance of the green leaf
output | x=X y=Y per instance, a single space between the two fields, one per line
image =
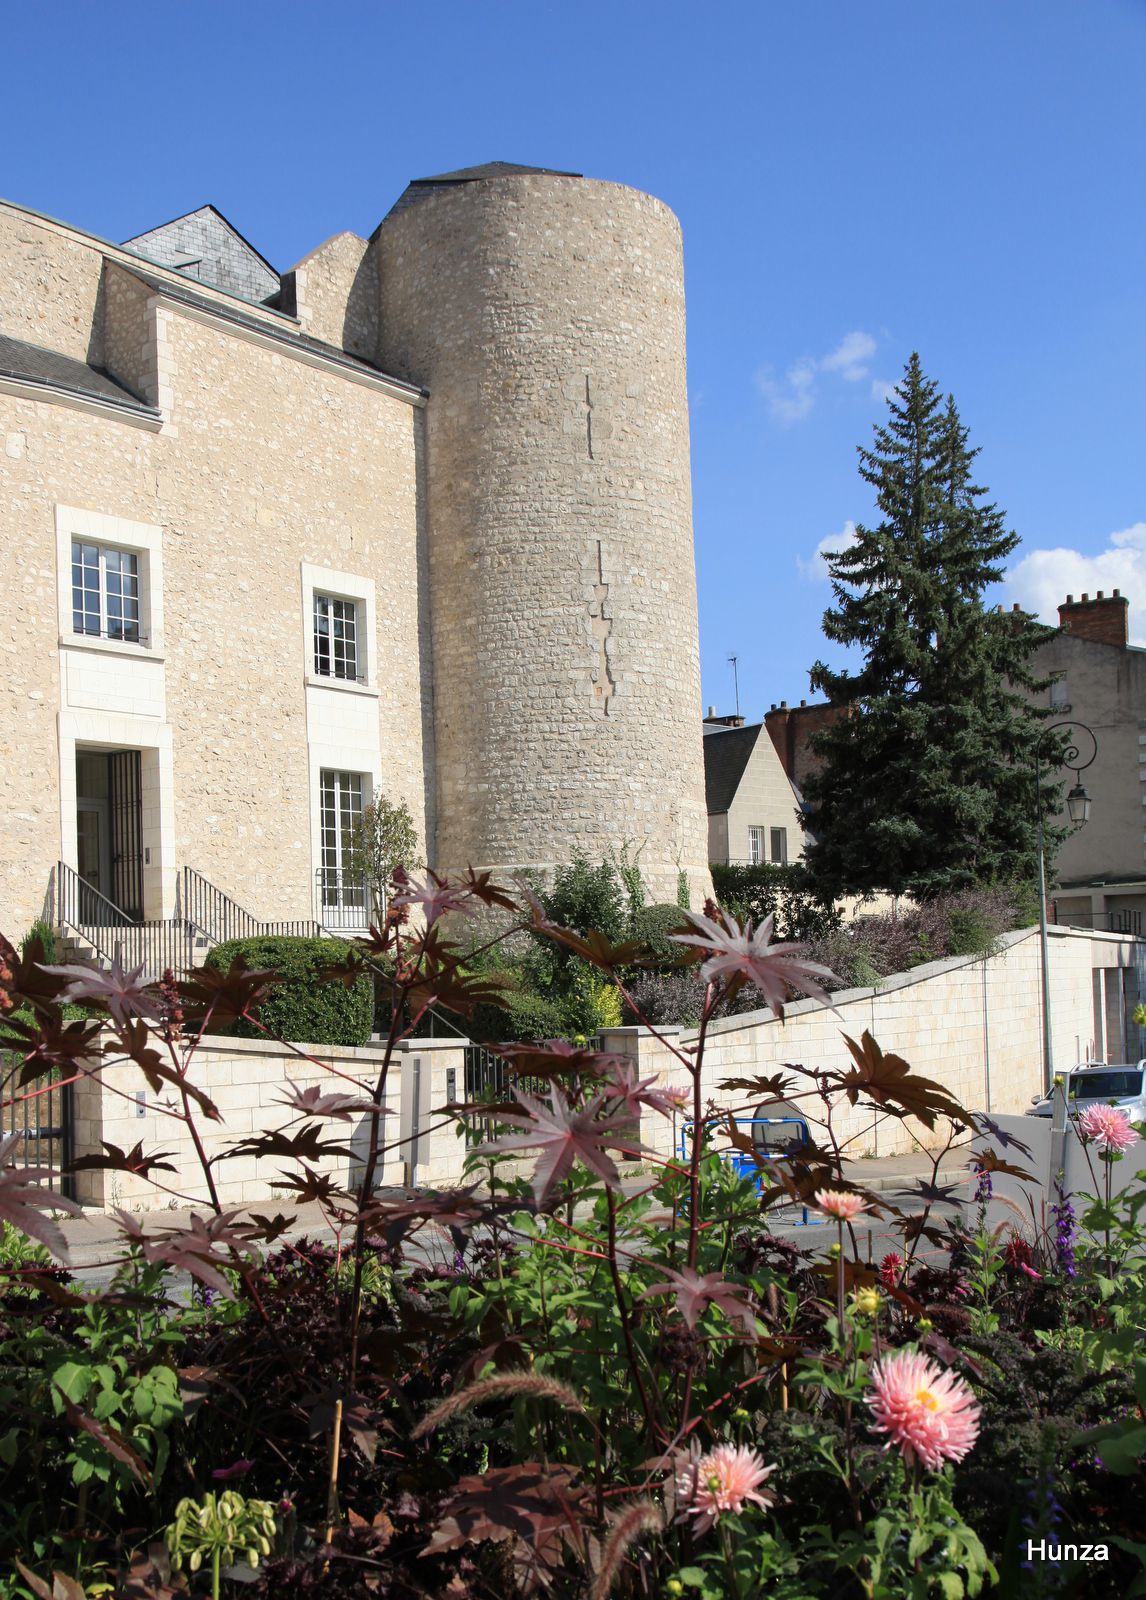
x=950 y=1585
x=74 y=1380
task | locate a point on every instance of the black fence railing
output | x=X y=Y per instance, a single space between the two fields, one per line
x=43 y=1115
x=217 y=918
x=341 y=900
x=1101 y=921
x=91 y=917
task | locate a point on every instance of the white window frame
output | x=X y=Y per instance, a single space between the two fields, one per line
x=338 y=612
x=340 y=896
x=352 y=588
x=756 y=847
x=109 y=566
x=108 y=533
x=780 y=834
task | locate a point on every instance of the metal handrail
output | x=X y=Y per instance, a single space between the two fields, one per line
x=156 y=947
x=218 y=918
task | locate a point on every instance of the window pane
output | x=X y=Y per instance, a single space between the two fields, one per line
x=85 y=588
x=335 y=637
x=321 y=636
x=780 y=845
x=105 y=591
x=755 y=846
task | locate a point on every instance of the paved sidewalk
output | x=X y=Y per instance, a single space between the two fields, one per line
x=94 y=1238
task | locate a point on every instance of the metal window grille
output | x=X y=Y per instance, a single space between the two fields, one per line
x=755 y=846
x=779 y=845
x=105 y=592
x=335 y=637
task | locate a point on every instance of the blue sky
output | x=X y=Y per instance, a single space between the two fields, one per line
x=854 y=182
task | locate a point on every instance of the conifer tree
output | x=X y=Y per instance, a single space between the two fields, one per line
x=928 y=783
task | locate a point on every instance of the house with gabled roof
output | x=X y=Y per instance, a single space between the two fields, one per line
x=754 y=813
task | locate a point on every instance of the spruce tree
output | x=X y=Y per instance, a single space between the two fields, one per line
x=928 y=783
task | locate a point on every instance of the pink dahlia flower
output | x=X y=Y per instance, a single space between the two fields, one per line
x=1108 y=1128
x=726 y=1479
x=890 y=1269
x=927 y=1413
x=840 y=1204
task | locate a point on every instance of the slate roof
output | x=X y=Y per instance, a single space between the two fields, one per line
x=418 y=188
x=726 y=754
x=31 y=363
x=494 y=169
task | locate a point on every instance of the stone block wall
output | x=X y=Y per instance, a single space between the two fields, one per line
x=245 y=1078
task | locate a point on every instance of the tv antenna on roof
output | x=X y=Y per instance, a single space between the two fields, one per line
x=735 y=683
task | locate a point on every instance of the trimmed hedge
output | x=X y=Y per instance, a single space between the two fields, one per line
x=302 y=1008
x=525 y=1017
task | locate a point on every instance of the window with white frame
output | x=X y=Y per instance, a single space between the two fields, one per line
x=755 y=846
x=340 y=622
x=779 y=846
x=109 y=582
x=105 y=592
x=336 y=637
x=1058 y=695
x=340 y=807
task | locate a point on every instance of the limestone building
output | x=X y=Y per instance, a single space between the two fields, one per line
x=413 y=516
x=754 y=813
x=1097 y=677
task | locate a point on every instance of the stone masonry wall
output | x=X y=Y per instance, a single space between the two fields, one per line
x=263 y=463
x=246 y=1079
x=546 y=316
x=974 y=1026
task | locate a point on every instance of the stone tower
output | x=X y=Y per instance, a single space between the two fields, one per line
x=545 y=314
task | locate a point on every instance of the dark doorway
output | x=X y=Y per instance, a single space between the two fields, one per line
x=109 y=827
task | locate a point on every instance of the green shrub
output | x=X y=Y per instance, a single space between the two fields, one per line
x=970 y=932
x=654 y=925
x=585 y=897
x=769 y=889
x=302 y=1008
x=525 y=1016
x=49 y=944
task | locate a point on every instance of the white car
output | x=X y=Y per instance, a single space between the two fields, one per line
x=1100 y=1083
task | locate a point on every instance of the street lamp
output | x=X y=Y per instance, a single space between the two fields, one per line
x=1078 y=810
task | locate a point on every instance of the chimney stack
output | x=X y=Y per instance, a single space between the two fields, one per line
x=1103 y=620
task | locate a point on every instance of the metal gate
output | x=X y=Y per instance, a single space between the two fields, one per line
x=46 y=1122
x=124 y=786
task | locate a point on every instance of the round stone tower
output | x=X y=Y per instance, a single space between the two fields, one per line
x=545 y=315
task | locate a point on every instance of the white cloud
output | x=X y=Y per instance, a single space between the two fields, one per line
x=791 y=398
x=850 y=357
x=816 y=569
x=1041 y=581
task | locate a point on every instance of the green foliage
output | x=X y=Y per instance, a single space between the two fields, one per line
x=654 y=925
x=525 y=1016
x=928 y=783
x=768 y=889
x=110 y=1363
x=587 y=898
x=305 y=1006
x=49 y=944
x=382 y=838
x=628 y=866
